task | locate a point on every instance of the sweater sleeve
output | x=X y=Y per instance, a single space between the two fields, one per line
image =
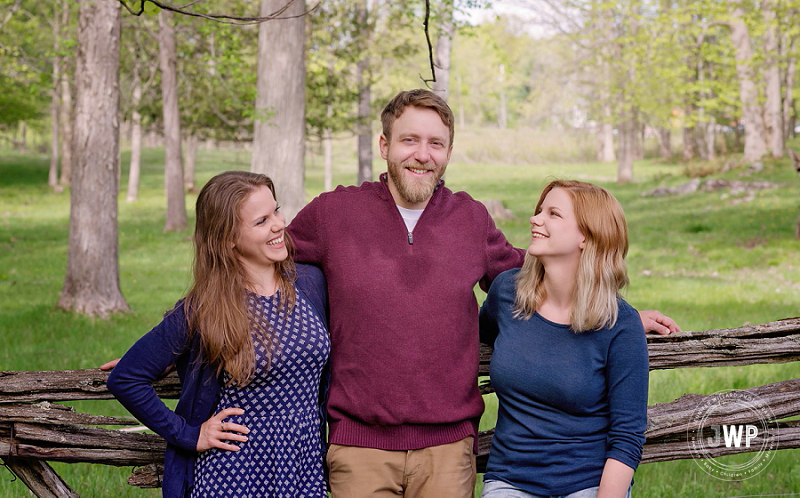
x=131 y=380
x=488 y=315
x=500 y=254
x=306 y=233
x=627 y=376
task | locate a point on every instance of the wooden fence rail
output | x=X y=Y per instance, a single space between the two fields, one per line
x=34 y=430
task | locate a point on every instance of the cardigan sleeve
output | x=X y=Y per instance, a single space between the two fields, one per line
x=627 y=377
x=131 y=380
x=311 y=281
x=306 y=232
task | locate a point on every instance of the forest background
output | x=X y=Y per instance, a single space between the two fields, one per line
x=635 y=96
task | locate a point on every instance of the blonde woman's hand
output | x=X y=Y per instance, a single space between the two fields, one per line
x=215 y=431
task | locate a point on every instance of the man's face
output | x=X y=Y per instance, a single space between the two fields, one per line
x=417 y=156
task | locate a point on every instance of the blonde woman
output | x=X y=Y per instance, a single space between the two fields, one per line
x=249 y=342
x=570 y=357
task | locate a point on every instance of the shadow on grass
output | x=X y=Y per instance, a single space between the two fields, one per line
x=22 y=170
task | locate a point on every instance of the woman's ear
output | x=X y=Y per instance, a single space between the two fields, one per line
x=582 y=245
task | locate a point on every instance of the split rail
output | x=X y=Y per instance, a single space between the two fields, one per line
x=36 y=428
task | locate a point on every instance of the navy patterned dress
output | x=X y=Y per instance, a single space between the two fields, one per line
x=283 y=454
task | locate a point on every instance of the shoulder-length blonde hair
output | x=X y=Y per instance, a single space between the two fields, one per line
x=216 y=304
x=602 y=272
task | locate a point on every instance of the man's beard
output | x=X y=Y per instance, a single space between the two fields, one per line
x=413 y=190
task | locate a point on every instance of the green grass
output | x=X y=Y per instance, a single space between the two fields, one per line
x=704 y=259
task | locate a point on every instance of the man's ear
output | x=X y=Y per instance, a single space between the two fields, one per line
x=383 y=145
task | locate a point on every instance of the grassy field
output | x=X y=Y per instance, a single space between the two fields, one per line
x=708 y=259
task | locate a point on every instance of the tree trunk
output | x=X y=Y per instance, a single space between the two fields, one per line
x=607 y=153
x=700 y=129
x=638 y=136
x=279 y=140
x=627 y=132
x=136 y=141
x=711 y=133
x=52 y=176
x=22 y=143
x=91 y=285
x=788 y=85
x=191 y=162
x=65 y=115
x=364 y=124
x=444 y=48
x=755 y=145
x=689 y=143
x=772 y=107
x=327 y=146
x=700 y=140
x=665 y=143
x=502 y=114
x=461 y=114
x=173 y=170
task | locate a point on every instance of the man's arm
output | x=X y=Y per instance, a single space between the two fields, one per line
x=654 y=321
x=306 y=233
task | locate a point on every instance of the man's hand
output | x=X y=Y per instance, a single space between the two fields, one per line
x=654 y=321
x=113 y=363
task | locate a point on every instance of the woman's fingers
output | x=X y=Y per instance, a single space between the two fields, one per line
x=216 y=433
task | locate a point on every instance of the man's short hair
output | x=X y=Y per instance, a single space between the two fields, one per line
x=421 y=98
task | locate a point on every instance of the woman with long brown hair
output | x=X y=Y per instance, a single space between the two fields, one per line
x=570 y=357
x=250 y=345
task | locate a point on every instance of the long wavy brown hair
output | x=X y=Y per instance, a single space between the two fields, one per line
x=216 y=304
x=602 y=272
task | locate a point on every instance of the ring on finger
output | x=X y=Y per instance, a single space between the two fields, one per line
x=222 y=426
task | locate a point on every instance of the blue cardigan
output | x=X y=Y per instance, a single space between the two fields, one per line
x=166 y=344
x=567 y=401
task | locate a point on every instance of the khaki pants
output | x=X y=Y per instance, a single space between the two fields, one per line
x=445 y=471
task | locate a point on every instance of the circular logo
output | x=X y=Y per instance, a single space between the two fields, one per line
x=717 y=429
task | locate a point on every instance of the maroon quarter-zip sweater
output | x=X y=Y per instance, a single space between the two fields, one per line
x=403 y=314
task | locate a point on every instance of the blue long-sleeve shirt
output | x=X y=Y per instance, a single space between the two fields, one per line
x=568 y=401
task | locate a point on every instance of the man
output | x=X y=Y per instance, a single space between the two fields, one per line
x=401 y=257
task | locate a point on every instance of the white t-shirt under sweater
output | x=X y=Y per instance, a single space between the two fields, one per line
x=410 y=217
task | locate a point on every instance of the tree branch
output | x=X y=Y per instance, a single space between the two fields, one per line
x=430 y=47
x=223 y=18
x=10 y=13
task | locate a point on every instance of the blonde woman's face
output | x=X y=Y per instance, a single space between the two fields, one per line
x=554 y=229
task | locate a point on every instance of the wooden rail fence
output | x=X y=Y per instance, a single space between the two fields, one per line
x=34 y=429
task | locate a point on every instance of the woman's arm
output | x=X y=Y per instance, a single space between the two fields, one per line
x=626 y=381
x=616 y=480
x=487 y=317
x=132 y=378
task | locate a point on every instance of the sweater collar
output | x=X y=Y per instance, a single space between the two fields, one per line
x=387 y=194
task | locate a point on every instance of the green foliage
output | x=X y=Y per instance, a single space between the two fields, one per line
x=335 y=45
x=25 y=63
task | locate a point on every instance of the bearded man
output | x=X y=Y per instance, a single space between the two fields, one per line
x=401 y=257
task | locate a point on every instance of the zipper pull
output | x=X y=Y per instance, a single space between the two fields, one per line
x=410 y=238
